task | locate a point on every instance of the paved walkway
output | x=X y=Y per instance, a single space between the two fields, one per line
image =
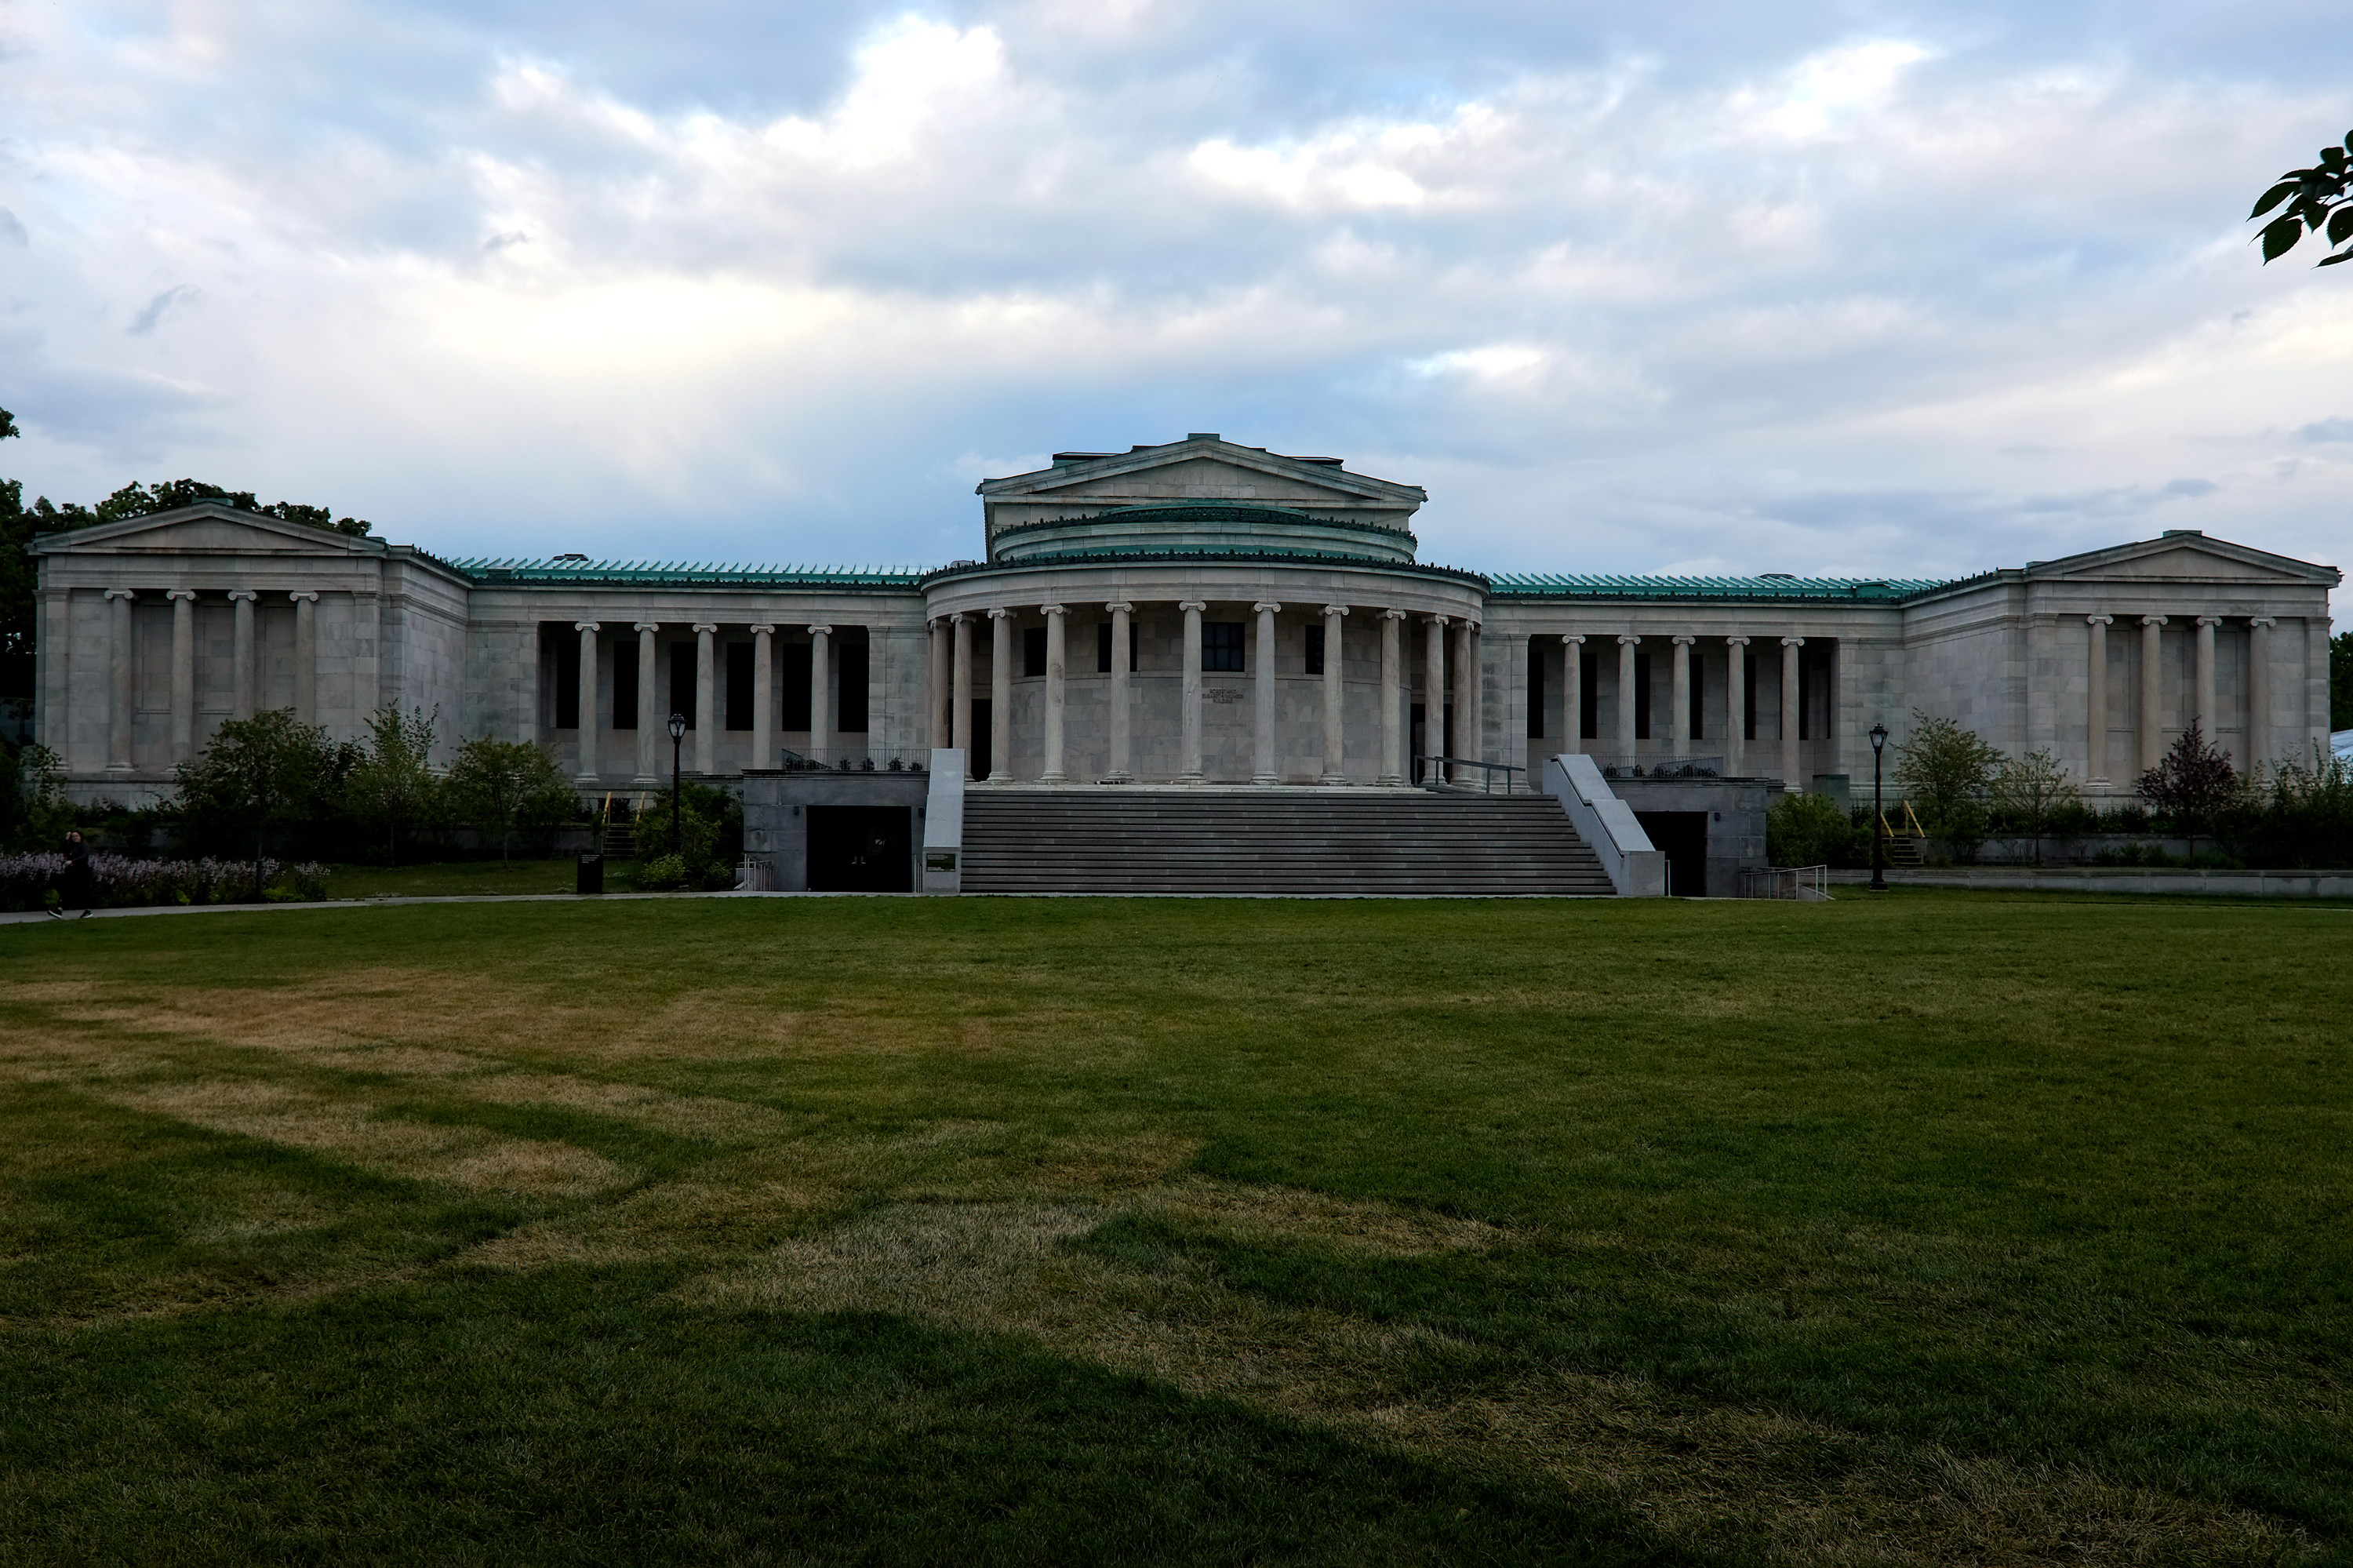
x=29 y=916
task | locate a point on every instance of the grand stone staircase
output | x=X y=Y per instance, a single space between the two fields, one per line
x=1291 y=840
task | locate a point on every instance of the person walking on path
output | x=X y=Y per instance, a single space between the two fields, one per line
x=74 y=887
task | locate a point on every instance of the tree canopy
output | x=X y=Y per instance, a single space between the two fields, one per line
x=2318 y=198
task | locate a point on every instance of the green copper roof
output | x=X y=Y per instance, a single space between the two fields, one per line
x=1552 y=585
x=682 y=574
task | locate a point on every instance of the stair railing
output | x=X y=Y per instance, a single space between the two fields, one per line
x=1428 y=771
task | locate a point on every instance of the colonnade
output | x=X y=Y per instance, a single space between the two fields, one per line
x=2203 y=708
x=952 y=677
x=245 y=671
x=651 y=715
x=1790 y=761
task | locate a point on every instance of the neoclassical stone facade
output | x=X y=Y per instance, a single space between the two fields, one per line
x=1195 y=611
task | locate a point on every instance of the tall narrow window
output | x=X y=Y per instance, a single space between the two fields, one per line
x=1033 y=649
x=625 y=685
x=567 y=680
x=792 y=683
x=739 y=685
x=1537 y=658
x=1641 y=694
x=681 y=681
x=1315 y=650
x=1221 y=646
x=849 y=691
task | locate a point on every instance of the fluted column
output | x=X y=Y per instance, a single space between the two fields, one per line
x=184 y=673
x=1055 y=615
x=306 y=655
x=241 y=683
x=2209 y=719
x=1000 y=696
x=1335 y=750
x=1792 y=705
x=123 y=690
x=1266 y=769
x=2096 y=704
x=706 y=688
x=764 y=695
x=1736 y=707
x=650 y=710
x=1120 y=609
x=591 y=700
x=1572 y=692
x=1190 y=744
x=2152 y=691
x=1433 y=697
x=1679 y=721
x=960 y=698
x=821 y=694
x=2259 y=689
x=1626 y=643
x=1392 y=767
x=935 y=690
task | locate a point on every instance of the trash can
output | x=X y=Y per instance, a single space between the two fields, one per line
x=591 y=877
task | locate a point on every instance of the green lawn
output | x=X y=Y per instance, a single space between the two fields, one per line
x=1927 y=1229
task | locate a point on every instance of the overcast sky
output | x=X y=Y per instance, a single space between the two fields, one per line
x=1731 y=286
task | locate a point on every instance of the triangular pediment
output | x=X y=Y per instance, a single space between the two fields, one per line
x=1202 y=469
x=205 y=530
x=2184 y=556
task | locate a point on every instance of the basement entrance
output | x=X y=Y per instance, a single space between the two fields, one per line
x=1683 y=836
x=860 y=849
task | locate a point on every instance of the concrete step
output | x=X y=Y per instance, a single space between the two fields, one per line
x=1281 y=842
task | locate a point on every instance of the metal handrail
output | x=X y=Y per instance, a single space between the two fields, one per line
x=1487 y=771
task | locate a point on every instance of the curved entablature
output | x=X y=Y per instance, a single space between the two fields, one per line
x=1267 y=533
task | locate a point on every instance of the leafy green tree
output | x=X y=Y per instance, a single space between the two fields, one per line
x=2032 y=789
x=503 y=785
x=2317 y=198
x=33 y=810
x=393 y=788
x=2195 y=785
x=268 y=771
x=1802 y=829
x=1945 y=770
x=709 y=838
x=2340 y=681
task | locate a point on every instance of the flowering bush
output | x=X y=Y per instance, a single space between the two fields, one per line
x=34 y=881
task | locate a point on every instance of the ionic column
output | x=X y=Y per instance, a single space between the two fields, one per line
x=1267 y=770
x=184 y=673
x=1679 y=697
x=960 y=696
x=2208 y=719
x=306 y=655
x=2259 y=689
x=1626 y=643
x=1792 y=763
x=1433 y=695
x=1336 y=751
x=764 y=695
x=1000 y=696
x=1392 y=768
x=1572 y=691
x=935 y=692
x=2095 y=706
x=1465 y=685
x=118 y=713
x=591 y=699
x=1055 y=614
x=1190 y=748
x=242 y=652
x=2152 y=691
x=1736 y=707
x=649 y=715
x=1120 y=609
x=706 y=684
x=821 y=694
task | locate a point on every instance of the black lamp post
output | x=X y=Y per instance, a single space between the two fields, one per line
x=1878 y=813
x=677 y=741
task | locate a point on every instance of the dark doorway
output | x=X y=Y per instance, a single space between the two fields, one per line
x=1683 y=836
x=976 y=763
x=858 y=849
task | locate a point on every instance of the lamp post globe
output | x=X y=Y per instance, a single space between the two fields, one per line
x=677 y=741
x=1878 y=812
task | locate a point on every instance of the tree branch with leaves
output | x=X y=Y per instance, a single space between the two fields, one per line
x=2317 y=200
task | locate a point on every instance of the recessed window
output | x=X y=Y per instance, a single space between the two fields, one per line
x=681 y=681
x=1315 y=650
x=739 y=685
x=1221 y=646
x=1033 y=649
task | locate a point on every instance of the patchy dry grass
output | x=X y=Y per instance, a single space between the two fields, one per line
x=1942 y=1230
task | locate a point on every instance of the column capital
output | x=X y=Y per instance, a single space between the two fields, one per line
x=180 y=593
x=2152 y=620
x=763 y=629
x=703 y=628
x=1628 y=639
x=1685 y=640
x=123 y=593
x=957 y=618
x=300 y=594
x=2263 y=620
x=1572 y=639
x=1335 y=609
x=647 y=626
x=1437 y=619
x=1395 y=614
x=999 y=612
x=1264 y=607
x=1053 y=609
x=2210 y=620
x=1118 y=607
x=2099 y=621
x=588 y=626
x=820 y=631
x=1736 y=643
x=1195 y=605
x=1793 y=642
x=242 y=595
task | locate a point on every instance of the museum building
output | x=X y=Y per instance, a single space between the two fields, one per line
x=1196 y=612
